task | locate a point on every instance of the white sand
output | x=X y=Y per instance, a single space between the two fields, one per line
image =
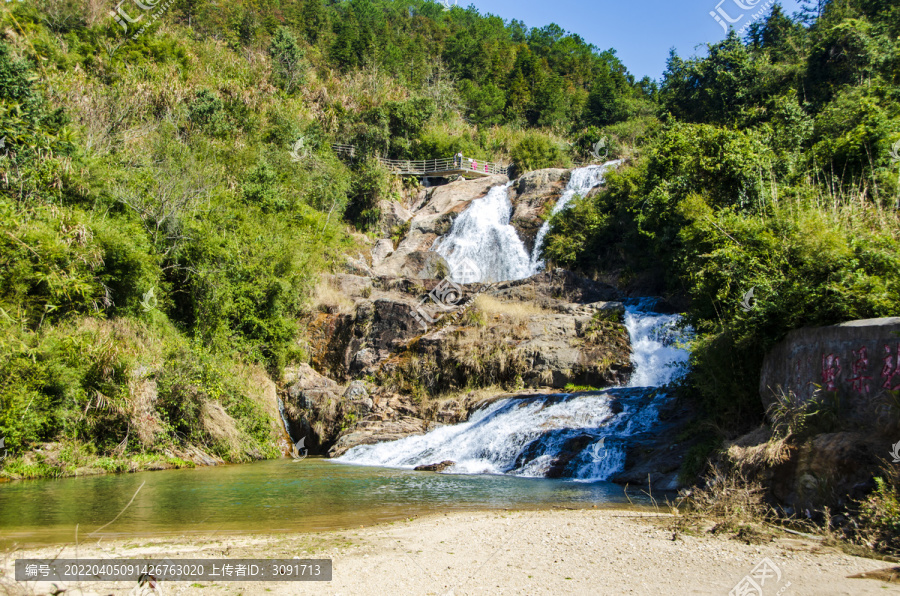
x=524 y=552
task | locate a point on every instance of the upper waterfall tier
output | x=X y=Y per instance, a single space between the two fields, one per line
x=482 y=246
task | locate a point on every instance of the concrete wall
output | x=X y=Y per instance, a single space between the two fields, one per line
x=859 y=361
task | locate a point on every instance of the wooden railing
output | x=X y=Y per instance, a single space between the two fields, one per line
x=418 y=167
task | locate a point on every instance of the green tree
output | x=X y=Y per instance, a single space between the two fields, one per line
x=288 y=58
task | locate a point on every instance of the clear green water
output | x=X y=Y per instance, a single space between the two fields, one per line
x=268 y=496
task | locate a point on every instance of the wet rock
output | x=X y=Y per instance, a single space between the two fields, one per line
x=533 y=196
x=653 y=460
x=434 y=218
x=369 y=432
x=440 y=467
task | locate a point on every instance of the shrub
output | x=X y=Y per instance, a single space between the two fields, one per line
x=534 y=152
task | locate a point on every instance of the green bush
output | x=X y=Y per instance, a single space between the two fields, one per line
x=371 y=184
x=536 y=151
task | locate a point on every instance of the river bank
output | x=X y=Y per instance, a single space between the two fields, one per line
x=560 y=551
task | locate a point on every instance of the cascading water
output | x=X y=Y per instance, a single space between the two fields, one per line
x=581 y=181
x=581 y=436
x=481 y=235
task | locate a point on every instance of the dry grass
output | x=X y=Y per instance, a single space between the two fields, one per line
x=222 y=428
x=758 y=450
x=514 y=312
x=729 y=503
x=331 y=299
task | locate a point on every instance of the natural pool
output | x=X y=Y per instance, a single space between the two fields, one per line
x=268 y=496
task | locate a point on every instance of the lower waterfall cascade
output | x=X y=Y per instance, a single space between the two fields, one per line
x=580 y=436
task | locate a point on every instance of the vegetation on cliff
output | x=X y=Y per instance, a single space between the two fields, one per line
x=772 y=167
x=169 y=198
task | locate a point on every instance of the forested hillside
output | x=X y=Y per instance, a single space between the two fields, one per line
x=775 y=167
x=161 y=232
x=161 y=225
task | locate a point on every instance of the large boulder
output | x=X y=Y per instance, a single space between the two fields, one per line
x=393 y=216
x=382 y=250
x=532 y=197
x=827 y=467
x=551 y=288
x=855 y=365
x=564 y=350
x=311 y=407
x=348 y=345
x=369 y=432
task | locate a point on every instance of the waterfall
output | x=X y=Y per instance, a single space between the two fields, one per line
x=481 y=236
x=481 y=245
x=657 y=341
x=581 y=436
x=581 y=181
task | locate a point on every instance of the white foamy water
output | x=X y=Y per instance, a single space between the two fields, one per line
x=482 y=235
x=659 y=355
x=581 y=181
x=580 y=436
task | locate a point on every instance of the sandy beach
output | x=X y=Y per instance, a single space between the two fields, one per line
x=517 y=552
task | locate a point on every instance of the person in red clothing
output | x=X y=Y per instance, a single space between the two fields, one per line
x=474 y=164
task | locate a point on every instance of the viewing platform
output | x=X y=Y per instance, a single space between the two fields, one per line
x=467 y=167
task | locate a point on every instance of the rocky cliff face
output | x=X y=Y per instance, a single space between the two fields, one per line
x=433 y=218
x=398 y=341
x=532 y=197
x=547 y=332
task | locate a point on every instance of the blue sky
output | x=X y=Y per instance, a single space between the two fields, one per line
x=641 y=32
